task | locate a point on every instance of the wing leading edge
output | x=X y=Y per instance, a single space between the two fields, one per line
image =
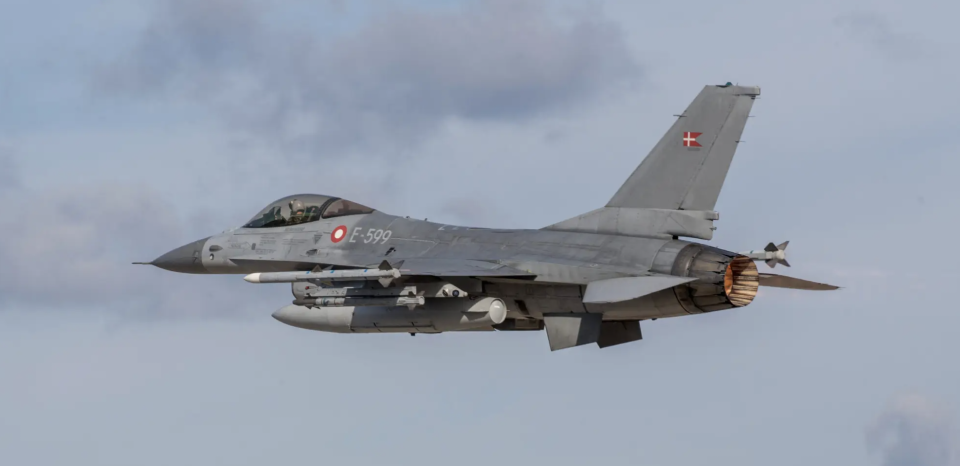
x=407 y=267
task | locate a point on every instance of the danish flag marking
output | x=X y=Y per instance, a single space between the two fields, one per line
x=690 y=139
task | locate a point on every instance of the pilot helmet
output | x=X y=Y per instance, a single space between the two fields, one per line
x=296 y=206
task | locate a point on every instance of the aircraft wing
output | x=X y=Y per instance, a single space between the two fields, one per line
x=407 y=267
x=459 y=268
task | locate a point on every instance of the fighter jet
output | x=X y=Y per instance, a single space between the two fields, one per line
x=589 y=279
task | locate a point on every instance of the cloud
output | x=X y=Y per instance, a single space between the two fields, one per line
x=914 y=431
x=71 y=243
x=9 y=174
x=73 y=248
x=875 y=31
x=391 y=81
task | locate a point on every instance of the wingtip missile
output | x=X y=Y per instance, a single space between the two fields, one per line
x=772 y=254
x=252 y=278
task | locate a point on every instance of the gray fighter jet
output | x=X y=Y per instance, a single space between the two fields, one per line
x=589 y=279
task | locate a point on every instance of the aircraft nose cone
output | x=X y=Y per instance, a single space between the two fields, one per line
x=185 y=259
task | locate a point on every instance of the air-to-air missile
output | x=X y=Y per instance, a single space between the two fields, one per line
x=384 y=276
x=773 y=254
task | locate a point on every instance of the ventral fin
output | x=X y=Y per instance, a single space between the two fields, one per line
x=569 y=330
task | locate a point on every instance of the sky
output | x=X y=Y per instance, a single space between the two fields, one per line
x=128 y=128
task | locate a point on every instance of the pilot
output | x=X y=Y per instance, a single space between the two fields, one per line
x=296 y=211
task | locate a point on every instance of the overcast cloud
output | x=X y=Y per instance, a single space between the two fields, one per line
x=392 y=80
x=131 y=128
x=82 y=258
x=71 y=247
x=876 y=32
x=915 y=431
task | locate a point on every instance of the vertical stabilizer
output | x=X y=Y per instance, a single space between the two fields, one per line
x=686 y=169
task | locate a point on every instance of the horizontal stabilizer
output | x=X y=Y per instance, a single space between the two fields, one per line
x=781 y=281
x=618 y=332
x=615 y=290
x=569 y=330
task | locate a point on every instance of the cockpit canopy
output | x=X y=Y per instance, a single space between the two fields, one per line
x=304 y=208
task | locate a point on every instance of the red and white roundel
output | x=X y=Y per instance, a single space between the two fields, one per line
x=339 y=233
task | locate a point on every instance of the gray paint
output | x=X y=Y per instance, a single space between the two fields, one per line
x=437 y=315
x=566 y=331
x=688 y=177
x=654 y=223
x=621 y=263
x=185 y=259
x=618 y=333
x=614 y=290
